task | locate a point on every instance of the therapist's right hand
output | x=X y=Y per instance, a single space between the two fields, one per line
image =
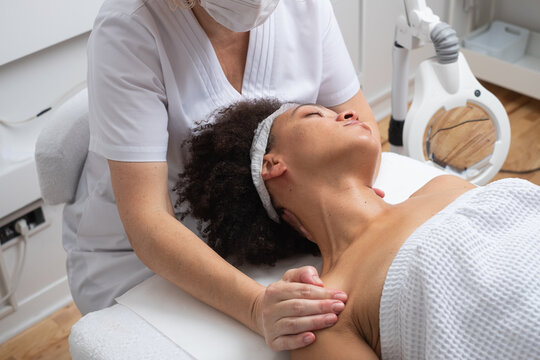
x=289 y=310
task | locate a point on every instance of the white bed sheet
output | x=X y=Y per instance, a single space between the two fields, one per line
x=156 y=320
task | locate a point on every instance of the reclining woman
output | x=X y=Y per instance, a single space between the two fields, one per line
x=451 y=272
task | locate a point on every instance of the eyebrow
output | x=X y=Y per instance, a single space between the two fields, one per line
x=299 y=106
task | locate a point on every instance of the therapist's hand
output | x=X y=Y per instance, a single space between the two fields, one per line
x=289 y=310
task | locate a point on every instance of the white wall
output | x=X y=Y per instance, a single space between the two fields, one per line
x=349 y=15
x=368 y=29
x=27 y=86
x=27 y=26
x=519 y=12
x=43 y=57
x=43 y=286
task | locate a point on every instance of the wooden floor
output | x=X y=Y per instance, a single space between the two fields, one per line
x=48 y=339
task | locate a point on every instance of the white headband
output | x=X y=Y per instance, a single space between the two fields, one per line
x=258 y=149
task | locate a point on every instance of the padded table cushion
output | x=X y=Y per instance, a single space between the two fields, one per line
x=119 y=333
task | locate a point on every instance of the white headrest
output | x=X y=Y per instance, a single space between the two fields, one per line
x=61 y=150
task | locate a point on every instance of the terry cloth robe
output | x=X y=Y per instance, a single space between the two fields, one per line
x=466 y=284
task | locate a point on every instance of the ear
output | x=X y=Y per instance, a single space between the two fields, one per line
x=292 y=220
x=273 y=167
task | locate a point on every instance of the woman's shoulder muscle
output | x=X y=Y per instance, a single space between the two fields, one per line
x=336 y=343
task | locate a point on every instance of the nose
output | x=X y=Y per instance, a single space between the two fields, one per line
x=347 y=115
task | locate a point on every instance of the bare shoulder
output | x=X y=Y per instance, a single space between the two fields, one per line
x=445 y=183
x=338 y=343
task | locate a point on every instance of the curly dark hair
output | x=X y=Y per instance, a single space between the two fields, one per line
x=217 y=188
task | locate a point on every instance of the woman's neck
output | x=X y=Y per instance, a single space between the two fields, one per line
x=337 y=216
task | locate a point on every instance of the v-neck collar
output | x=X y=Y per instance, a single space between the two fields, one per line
x=257 y=71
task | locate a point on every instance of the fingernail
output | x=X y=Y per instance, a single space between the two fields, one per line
x=340 y=296
x=308 y=339
x=317 y=279
x=330 y=319
x=338 y=307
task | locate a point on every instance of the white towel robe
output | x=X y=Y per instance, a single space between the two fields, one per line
x=466 y=284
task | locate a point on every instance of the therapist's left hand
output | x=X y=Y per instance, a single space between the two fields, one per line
x=289 y=310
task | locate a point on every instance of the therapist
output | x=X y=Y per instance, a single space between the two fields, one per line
x=155 y=68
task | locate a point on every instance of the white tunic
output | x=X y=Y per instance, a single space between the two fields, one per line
x=152 y=74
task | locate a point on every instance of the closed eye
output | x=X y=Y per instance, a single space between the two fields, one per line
x=318 y=113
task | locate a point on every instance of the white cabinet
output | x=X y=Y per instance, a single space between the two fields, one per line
x=522 y=75
x=27 y=26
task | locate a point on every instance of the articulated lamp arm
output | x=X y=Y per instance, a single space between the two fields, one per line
x=420 y=19
x=444 y=82
x=418 y=26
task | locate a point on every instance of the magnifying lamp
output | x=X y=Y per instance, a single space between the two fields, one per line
x=454 y=122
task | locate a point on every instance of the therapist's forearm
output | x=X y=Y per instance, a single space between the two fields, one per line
x=172 y=251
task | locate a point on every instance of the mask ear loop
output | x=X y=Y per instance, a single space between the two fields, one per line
x=182 y=4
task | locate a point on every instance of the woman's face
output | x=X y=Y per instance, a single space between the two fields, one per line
x=316 y=139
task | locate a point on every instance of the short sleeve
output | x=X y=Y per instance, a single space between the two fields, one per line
x=339 y=81
x=127 y=101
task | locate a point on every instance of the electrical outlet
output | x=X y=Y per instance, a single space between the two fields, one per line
x=33 y=218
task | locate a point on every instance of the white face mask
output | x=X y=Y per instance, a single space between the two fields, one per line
x=239 y=15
